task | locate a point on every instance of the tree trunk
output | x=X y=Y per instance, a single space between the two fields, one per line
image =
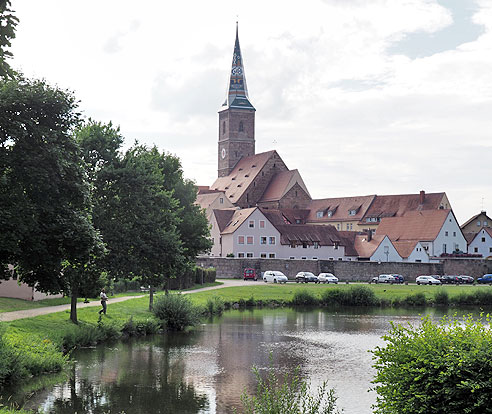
x=73 y=308
x=151 y=298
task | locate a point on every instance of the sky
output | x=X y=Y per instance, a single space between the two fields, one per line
x=361 y=96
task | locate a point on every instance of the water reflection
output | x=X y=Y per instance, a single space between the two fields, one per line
x=207 y=370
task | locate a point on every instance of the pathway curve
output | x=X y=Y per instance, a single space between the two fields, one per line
x=29 y=313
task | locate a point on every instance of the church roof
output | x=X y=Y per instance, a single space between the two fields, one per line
x=281 y=183
x=244 y=173
x=237 y=91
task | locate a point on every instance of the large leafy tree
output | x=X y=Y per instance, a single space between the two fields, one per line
x=45 y=205
x=8 y=23
x=137 y=214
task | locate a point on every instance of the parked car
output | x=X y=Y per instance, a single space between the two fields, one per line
x=305 y=277
x=250 y=274
x=466 y=279
x=487 y=278
x=449 y=280
x=274 y=276
x=327 y=278
x=427 y=280
x=383 y=279
x=398 y=278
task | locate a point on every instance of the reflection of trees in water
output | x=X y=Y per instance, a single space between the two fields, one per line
x=134 y=378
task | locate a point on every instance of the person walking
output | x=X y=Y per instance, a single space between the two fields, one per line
x=104 y=299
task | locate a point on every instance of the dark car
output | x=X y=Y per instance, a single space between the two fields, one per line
x=485 y=278
x=398 y=278
x=305 y=277
x=466 y=279
x=450 y=280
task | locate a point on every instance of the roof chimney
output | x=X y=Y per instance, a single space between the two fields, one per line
x=422 y=197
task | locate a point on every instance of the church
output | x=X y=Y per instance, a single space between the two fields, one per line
x=262 y=186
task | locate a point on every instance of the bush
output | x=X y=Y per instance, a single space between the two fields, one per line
x=479 y=297
x=304 y=298
x=441 y=297
x=435 y=368
x=140 y=328
x=215 y=306
x=417 y=299
x=353 y=296
x=289 y=397
x=176 y=311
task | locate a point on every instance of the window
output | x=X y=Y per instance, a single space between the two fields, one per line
x=316 y=245
x=304 y=245
x=292 y=257
x=249 y=254
x=304 y=258
x=475 y=250
x=336 y=244
x=298 y=221
x=348 y=227
x=240 y=255
x=251 y=224
x=454 y=234
x=329 y=214
x=241 y=126
x=483 y=239
x=490 y=249
x=444 y=248
x=271 y=240
x=263 y=255
x=340 y=258
x=240 y=240
x=445 y=233
x=352 y=212
x=262 y=224
x=249 y=239
x=319 y=214
x=263 y=240
x=221 y=200
x=485 y=223
x=478 y=223
x=271 y=255
x=315 y=258
x=338 y=226
x=292 y=245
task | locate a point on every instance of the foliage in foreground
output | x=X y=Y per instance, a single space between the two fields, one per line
x=435 y=368
x=176 y=312
x=290 y=396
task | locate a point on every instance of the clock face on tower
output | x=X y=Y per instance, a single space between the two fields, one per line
x=223 y=153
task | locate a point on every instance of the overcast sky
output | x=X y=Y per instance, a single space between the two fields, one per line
x=361 y=96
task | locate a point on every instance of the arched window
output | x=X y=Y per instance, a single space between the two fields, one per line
x=241 y=126
x=223 y=127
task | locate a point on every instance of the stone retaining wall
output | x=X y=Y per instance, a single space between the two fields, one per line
x=347 y=271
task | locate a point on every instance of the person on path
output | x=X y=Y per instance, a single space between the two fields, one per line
x=104 y=299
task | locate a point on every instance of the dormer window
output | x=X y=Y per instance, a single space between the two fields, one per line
x=319 y=214
x=329 y=214
x=352 y=212
x=246 y=175
x=241 y=126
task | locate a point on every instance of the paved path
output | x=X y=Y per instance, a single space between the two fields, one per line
x=29 y=313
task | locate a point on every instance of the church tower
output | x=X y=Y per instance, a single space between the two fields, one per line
x=236 y=118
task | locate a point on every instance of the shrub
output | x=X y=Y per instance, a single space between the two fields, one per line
x=215 y=306
x=304 y=298
x=435 y=368
x=441 y=297
x=176 y=311
x=353 y=296
x=140 y=328
x=289 y=397
x=417 y=299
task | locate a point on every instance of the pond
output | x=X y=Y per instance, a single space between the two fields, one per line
x=207 y=369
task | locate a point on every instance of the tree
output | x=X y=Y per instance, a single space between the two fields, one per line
x=143 y=207
x=45 y=200
x=8 y=22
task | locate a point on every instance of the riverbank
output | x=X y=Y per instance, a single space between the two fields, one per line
x=41 y=342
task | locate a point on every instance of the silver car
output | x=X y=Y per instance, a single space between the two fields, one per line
x=427 y=280
x=327 y=278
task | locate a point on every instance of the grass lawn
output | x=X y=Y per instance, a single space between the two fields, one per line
x=262 y=291
x=11 y=305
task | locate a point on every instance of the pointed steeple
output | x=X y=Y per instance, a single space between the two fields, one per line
x=237 y=93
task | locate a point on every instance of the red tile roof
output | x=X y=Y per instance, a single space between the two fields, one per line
x=299 y=233
x=238 y=217
x=281 y=183
x=223 y=217
x=242 y=176
x=365 y=248
x=397 y=205
x=405 y=247
x=347 y=239
x=475 y=217
x=414 y=225
x=339 y=208
x=285 y=216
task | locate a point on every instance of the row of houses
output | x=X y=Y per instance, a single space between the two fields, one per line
x=414 y=236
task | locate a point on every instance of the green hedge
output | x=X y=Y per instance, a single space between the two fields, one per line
x=441 y=367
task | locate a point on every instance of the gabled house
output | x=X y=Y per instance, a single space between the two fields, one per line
x=436 y=230
x=475 y=224
x=210 y=200
x=376 y=248
x=412 y=251
x=482 y=243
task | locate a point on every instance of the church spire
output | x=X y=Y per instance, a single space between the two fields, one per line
x=237 y=93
